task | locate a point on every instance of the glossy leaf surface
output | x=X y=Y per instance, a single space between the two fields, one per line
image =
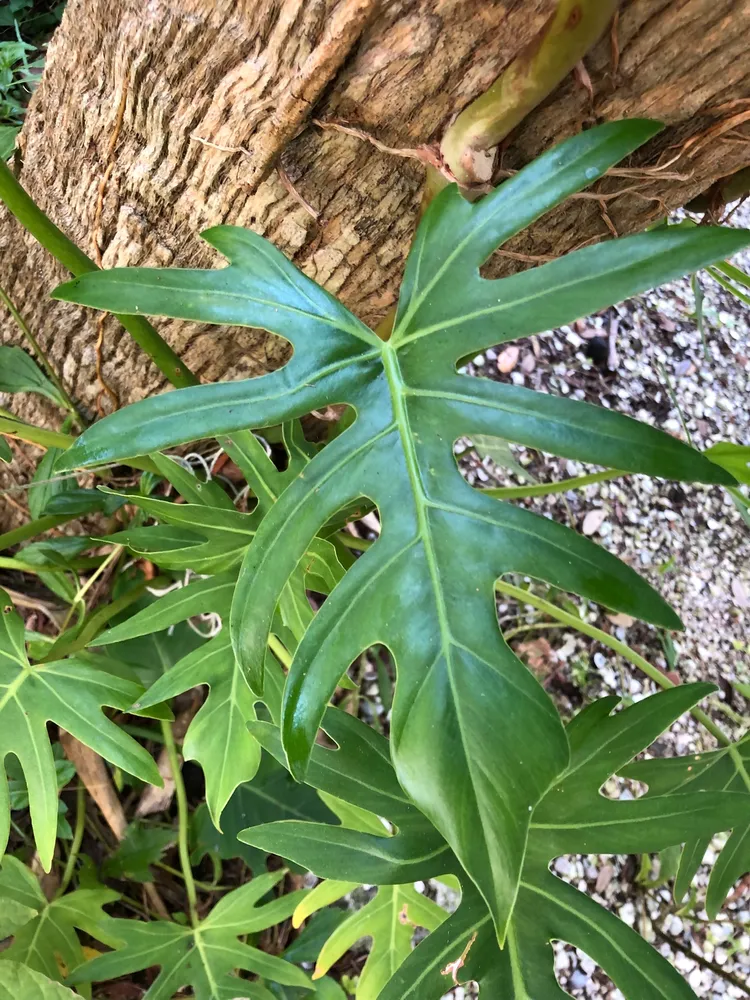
x=426 y=588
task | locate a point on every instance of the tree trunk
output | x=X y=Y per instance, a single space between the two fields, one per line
x=155 y=120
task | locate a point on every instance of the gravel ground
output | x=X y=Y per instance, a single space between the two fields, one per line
x=647 y=358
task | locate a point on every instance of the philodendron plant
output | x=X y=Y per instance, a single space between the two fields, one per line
x=479 y=782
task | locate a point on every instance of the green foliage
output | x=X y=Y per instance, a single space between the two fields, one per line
x=71 y=693
x=19 y=373
x=22 y=983
x=478 y=781
x=44 y=932
x=141 y=847
x=443 y=544
x=389 y=918
x=575 y=818
x=204 y=956
x=722 y=770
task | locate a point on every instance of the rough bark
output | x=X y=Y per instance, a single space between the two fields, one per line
x=131 y=87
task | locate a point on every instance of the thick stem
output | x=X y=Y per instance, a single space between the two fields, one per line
x=63 y=249
x=656 y=675
x=566 y=38
x=183 y=819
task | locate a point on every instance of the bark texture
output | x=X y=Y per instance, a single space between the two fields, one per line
x=156 y=119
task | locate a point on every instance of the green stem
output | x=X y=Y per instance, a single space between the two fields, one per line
x=76 y=639
x=45 y=232
x=32 y=528
x=183 y=819
x=656 y=675
x=512 y=633
x=546 y=489
x=41 y=356
x=75 y=847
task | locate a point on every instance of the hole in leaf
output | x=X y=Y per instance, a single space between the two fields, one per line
x=622 y=789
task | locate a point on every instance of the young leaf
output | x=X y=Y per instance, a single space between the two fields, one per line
x=426 y=588
x=20 y=373
x=389 y=918
x=735 y=458
x=71 y=693
x=727 y=769
x=575 y=818
x=47 y=484
x=205 y=956
x=218 y=738
x=48 y=936
x=141 y=847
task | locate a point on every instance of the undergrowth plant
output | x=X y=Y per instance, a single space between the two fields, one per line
x=475 y=780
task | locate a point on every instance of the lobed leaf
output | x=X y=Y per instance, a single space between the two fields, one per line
x=425 y=589
x=70 y=693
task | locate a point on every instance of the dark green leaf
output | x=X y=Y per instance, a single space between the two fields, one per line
x=705 y=774
x=141 y=846
x=443 y=545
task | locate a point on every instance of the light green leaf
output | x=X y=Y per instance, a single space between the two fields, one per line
x=443 y=544
x=49 y=937
x=218 y=737
x=500 y=452
x=390 y=919
x=19 y=981
x=20 y=373
x=735 y=458
x=203 y=957
x=70 y=693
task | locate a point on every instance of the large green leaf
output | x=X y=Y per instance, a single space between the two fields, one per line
x=46 y=940
x=203 y=957
x=573 y=817
x=727 y=769
x=71 y=693
x=425 y=589
x=389 y=918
